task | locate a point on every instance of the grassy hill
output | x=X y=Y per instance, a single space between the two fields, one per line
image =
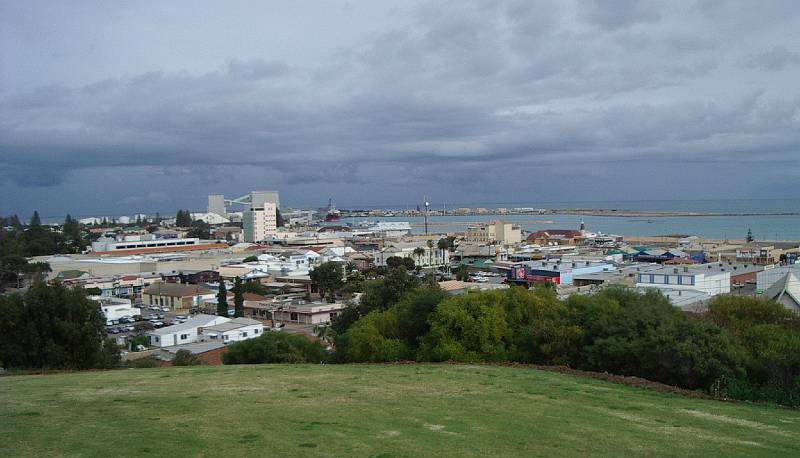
x=402 y=410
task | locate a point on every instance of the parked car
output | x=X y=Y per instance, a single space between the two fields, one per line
x=180 y=317
x=158 y=324
x=165 y=309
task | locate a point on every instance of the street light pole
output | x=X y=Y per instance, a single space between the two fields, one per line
x=427 y=205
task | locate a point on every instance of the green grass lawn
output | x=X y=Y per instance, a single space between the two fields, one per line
x=370 y=410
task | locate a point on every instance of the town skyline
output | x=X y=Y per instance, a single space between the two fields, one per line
x=365 y=102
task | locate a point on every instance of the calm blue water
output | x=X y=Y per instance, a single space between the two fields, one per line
x=773 y=227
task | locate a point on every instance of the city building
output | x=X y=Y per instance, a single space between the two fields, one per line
x=234 y=330
x=711 y=279
x=419 y=252
x=554 y=271
x=260 y=223
x=115 y=308
x=217 y=202
x=176 y=296
x=184 y=333
x=781 y=284
x=143 y=244
x=307 y=313
x=494 y=232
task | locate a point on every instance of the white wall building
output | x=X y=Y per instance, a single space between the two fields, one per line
x=186 y=332
x=260 y=222
x=708 y=278
x=429 y=257
x=688 y=287
x=115 y=308
x=233 y=331
x=781 y=284
x=128 y=243
x=210 y=218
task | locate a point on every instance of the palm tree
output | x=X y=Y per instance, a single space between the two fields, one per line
x=324 y=332
x=418 y=252
x=430 y=252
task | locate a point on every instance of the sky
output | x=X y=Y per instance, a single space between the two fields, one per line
x=125 y=107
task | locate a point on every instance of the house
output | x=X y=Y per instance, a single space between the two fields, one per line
x=115 y=308
x=689 y=286
x=781 y=284
x=307 y=313
x=711 y=279
x=209 y=352
x=233 y=331
x=419 y=252
x=196 y=277
x=184 y=333
x=175 y=295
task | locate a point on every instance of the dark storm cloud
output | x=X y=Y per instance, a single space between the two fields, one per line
x=434 y=97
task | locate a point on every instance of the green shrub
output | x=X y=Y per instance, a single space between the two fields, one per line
x=275 y=347
x=186 y=358
x=143 y=363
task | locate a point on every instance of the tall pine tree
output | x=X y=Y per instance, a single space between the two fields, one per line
x=238 y=298
x=222 y=299
x=35 y=220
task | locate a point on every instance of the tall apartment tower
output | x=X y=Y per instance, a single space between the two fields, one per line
x=216 y=204
x=260 y=222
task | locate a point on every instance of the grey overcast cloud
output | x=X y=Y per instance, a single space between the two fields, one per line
x=118 y=107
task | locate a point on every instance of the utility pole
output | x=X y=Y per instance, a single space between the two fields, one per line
x=427 y=205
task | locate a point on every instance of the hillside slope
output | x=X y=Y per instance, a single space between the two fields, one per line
x=373 y=410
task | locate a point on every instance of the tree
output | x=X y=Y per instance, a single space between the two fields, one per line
x=446 y=243
x=35 y=220
x=183 y=218
x=469 y=327
x=275 y=347
x=250 y=259
x=461 y=273
x=73 y=239
x=222 y=299
x=54 y=327
x=186 y=358
x=278 y=218
x=199 y=229
x=430 y=251
x=238 y=299
x=394 y=261
x=749 y=237
x=327 y=278
x=254 y=287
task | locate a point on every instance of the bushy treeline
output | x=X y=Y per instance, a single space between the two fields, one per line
x=36 y=239
x=275 y=347
x=53 y=327
x=743 y=348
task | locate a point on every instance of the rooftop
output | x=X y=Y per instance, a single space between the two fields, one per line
x=196 y=321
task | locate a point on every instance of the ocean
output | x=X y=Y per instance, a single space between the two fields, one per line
x=765 y=228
